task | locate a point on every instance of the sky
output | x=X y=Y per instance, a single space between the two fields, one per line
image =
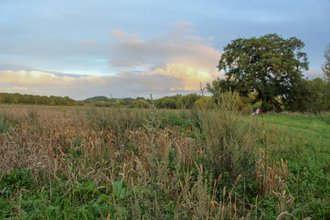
x=136 y=48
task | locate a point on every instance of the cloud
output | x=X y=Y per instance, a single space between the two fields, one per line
x=314 y=73
x=184 y=72
x=24 y=90
x=68 y=79
x=190 y=77
x=173 y=46
x=91 y=42
x=170 y=62
x=17 y=88
x=24 y=77
x=160 y=82
x=33 y=77
x=120 y=35
x=179 y=59
x=182 y=26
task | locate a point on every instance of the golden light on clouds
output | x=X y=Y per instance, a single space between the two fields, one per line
x=24 y=77
x=190 y=76
x=18 y=88
x=68 y=79
x=170 y=61
x=101 y=80
x=180 y=71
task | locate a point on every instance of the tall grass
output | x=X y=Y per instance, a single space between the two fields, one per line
x=111 y=163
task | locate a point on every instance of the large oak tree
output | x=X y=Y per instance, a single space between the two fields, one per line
x=269 y=66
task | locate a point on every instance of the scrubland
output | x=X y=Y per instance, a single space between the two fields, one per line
x=113 y=163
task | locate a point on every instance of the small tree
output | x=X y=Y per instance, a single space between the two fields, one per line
x=326 y=71
x=326 y=66
x=269 y=66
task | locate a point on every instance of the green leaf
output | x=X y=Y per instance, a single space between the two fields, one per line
x=117 y=186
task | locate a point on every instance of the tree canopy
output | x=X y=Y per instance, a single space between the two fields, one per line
x=16 y=98
x=270 y=67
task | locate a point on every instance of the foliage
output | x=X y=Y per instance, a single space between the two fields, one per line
x=188 y=100
x=103 y=103
x=326 y=71
x=326 y=66
x=166 y=102
x=96 y=98
x=205 y=102
x=121 y=103
x=16 y=98
x=139 y=103
x=269 y=66
x=3 y=125
x=227 y=146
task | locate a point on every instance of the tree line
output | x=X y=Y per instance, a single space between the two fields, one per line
x=16 y=98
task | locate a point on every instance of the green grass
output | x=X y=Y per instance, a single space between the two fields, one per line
x=157 y=181
x=304 y=141
x=307 y=127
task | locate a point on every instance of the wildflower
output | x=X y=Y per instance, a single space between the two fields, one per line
x=258 y=111
x=188 y=131
x=226 y=173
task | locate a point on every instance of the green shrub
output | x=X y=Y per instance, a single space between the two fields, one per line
x=229 y=143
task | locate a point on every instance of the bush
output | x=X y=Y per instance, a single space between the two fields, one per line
x=228 y=142
x=141 y=104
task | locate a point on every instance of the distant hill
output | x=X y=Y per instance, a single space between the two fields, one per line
x=101 y=98
x=96 y=98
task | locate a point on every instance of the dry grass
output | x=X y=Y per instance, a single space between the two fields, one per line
x=105 y=147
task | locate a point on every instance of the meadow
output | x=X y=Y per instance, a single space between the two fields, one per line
x=115 y=163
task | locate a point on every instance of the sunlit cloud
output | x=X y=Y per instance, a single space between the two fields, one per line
x=24 y=90
x=190 y=76
x=171 y=54
x=170 y=62
x=17 y=88
x=68 y=79
x=173 y=46
x=24 y=77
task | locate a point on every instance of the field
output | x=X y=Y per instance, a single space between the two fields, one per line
x=112 y=163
